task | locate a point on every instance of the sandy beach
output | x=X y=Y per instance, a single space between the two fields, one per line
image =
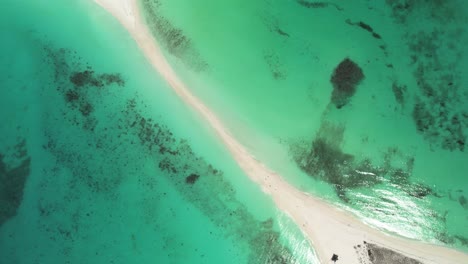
x=330 y=230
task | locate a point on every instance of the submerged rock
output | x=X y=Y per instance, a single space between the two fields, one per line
x=345 y=79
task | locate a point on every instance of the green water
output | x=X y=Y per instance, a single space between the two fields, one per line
x=100 y=162
x=395 y=153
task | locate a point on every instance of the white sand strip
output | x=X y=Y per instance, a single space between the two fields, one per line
x=330 y=230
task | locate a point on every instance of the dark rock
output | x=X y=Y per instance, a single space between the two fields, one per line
x=81 y=78
x=281 y=32
x=334 y=258
x=318 y=4
x=308 y=4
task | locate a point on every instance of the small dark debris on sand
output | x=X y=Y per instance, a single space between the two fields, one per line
x=334 y=258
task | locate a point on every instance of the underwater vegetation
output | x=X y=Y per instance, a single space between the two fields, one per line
x=399 y=91
x=13 y=176
x=109 y=129
x=171 y=37
x=274 y=64
x=345 y=79
x=318 y=4
x=439 y=110
x=365 y=27
x=324 y=159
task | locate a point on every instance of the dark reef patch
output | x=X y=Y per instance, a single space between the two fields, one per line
x=12 y=181
x=399 y=91
x=84 y=90
x=401 y=9
x=77 y=82
x=96 y=162
x=89 y=78
x=275 y=65
x=352 y=175
x=318 y=5
x=345 y=79
x=433 y=122
x=213 y=196
x=435 y=53
x=173 y=38
x=324 y=160
x=334 y=258
x=365 y=27
x=281 y=32
x=443 y=12
x=192 y=178
x=463 y=240
x=271 y=22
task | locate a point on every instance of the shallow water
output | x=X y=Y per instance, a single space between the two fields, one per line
x=102 y=163
x=390 y=147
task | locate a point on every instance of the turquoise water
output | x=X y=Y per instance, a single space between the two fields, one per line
x=100 y=162
x=383 y=136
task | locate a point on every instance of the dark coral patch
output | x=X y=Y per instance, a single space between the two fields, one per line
x=436 y=59
x=365 y=27
x=326 y=161
x=345 y=79
x=192 y=178
x=12 y=181
x=318 y=4
x=399 y=91
x=463 y=202
x=173 y=38
x=275 y=65
x=81 y=78
x=77 y=82
x=71 y=96
x=89 y=78
x=308 y=4
x=433 y=123
x=214 y=196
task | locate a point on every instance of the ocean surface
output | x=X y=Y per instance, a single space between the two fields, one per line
x=363 y=103
x=101 y=162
